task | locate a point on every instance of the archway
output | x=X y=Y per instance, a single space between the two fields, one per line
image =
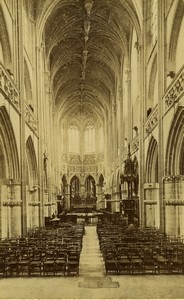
x=75 y=192
x=90 y=191
x=32 y=198
x=151 y=188
x=153 y=87
x=100 y=193
x=176 y=39
x=27 y=86
x=174 y=180
x=64 y=194
x=5 y=43
x=152 y=161
x=90 y=186
x=10 y=208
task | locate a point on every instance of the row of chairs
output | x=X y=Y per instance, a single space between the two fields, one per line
x=140 y=251
x=143 y=265
x=43 y=252
x=41 y=267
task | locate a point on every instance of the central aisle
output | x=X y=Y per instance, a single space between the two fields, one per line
x=91 y=283
x=91 y=262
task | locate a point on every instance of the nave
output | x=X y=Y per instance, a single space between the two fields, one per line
x=92 y=283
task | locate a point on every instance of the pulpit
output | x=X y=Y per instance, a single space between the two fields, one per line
x=130 y=204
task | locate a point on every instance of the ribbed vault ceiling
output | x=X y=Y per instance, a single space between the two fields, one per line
x=86 y=42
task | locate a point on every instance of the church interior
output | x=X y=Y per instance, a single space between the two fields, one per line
x=91 y=148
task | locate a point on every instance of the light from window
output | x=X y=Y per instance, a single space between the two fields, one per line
x=101 y=139
x=74 y=139
x=89 y=139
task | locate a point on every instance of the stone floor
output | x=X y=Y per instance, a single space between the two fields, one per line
x=92 y=283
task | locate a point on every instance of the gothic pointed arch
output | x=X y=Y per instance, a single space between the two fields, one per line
x=136 y=182
x=152 y=161
x=27 y=85
x=32 y=171
x=9 y=151
x=101 y=179
x=175 y=150
x=64 y=185
x=90 y=186
x=177 y=22
x=74 y=186
x=4 y=41
x=152 y=83
x=112 y=183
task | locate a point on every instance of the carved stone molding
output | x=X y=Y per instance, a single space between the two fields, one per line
x=150 y=202
x=174 y=202
x=12 y=203
x=37 y=203
x=174 y=178
x=30 y=118
x=134 y=145
x=100 y=157
x=75 y=169
x=89 y=159
x=90 y=169
x=8 y=88
x=75 y=159
x=152 y=120
x=175 y=90
x=100 y=168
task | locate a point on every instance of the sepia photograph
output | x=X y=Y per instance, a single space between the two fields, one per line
x=91 y=149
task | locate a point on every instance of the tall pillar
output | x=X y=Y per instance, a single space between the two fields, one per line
x=16 y=211
x=99 y=196
x=16 y=220
x=22 y=108
x=40 y=110
x=122 y=135
x=67 y=195
x=3 y=208
x=161 y=85
x=106 y=141
x=171 y=213
x=142 y=86
x=128 y=81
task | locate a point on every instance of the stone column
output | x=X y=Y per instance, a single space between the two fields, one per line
x=99 y=196
x=3 y=213
x=67 y=196
x=142 y=117
x=9 y=221
x=16 y=212
x=182 y=220
x=40 y=100
x=161 y=85
x=150 y=214
x=106 y=154
x=16 y=220
x=171 y=219
x=22 y=108
x=117 y=203
x=169 y=195
x=128 y=81
x=122 y=135
x=4 y=222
